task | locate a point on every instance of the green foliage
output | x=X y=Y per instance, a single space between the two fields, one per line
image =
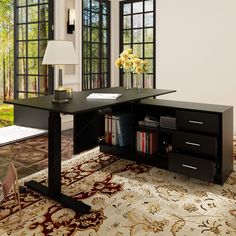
x=6 y=115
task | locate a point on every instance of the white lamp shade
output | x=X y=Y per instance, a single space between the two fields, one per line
x=59 y=52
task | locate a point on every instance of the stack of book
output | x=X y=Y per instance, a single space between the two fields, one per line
x=118 y=127
x=147 y=141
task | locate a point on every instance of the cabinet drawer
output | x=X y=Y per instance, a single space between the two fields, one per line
x=197 y=121
x=195 y=143
x=192 y=166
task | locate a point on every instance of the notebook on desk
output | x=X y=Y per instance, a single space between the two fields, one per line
x=111 y=96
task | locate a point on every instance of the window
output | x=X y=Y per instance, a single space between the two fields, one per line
x=137 y=31
x=96 y=44
x=33 y=28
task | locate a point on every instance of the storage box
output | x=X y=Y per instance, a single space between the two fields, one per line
x=167 y=122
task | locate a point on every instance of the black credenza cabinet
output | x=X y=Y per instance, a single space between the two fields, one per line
x=201 y=144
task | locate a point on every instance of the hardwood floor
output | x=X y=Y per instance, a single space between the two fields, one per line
x=31 y=155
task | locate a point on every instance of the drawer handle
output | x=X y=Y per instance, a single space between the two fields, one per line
x=195 y=122
x=190 y=167
x=193 y=144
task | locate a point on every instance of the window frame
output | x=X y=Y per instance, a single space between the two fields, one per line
x=122 y=3
x=49 y=76
x=102 y=82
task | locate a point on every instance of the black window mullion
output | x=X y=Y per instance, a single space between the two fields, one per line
x=27 y=53
x=100 y=44
x=90 y=61
x=38 y=79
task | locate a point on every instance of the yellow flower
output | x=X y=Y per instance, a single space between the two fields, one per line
x=145 y=63
x=118 y=62
x=124 y=55
x=127 y=64
x=137 y=62
x=129 y=51
x=139 y=70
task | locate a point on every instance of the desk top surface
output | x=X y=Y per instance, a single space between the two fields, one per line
x=79 y=103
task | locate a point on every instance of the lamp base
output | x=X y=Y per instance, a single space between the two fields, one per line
x=60 y=96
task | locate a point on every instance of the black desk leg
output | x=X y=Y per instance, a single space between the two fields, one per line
x=54 y=169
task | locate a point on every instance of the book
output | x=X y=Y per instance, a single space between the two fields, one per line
x=110 y=96
x=114 y=129
x=124 y=125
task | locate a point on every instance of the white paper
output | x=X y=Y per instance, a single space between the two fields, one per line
x=111 y=96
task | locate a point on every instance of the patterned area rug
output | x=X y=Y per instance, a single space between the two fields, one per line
x=127 y=199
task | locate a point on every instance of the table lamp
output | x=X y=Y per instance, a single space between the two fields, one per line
x=58 y=53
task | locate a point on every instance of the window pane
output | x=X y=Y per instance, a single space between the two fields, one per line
x=32 y=31
x=86 y=66
x=104 y=8
x=149 y=5
x=95 y=35
x=95 y=66
x=43 y=30
x=138 y=36
x=22 y=66
x=86 y=34
x=42 y=47
x=127 y=46
x=138 y=50
x=127 y=36
x=104 y=66
x=22 y=82
x=22 y=95
x=43 y=12
x=22 y=15
x=105 y=51
x=21 y=2
x=148 y=50
x=86 y=50
x=22 y=32
x=86 y=18
x=95 y=5
x=104 y=36
x=32 y=66
x=43 y=69
x=149 y=78
x=33 y=14
x=33 y=49
x=127 y=8
x=22 y=49
x=32 y=83
x=137 y=7
x=127 y=22
x=30 y=2
x=138 y=21
x=43 y=84
x=148 y=35
x=148 y=19
x=150 y=65
x=86 y=4
x=104 y=22
x=95 y=50
x=95 y=19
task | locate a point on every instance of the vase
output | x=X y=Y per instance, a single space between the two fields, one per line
x=127 y=80
x=139 y=81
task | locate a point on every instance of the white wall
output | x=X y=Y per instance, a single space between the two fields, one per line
x=196 y=50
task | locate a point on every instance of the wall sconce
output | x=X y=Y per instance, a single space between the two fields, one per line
x=71 y=21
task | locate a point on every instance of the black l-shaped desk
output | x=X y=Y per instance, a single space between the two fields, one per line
x=89 y=110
